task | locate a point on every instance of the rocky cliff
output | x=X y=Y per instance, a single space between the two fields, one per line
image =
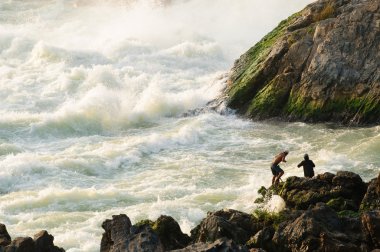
x=321 y=64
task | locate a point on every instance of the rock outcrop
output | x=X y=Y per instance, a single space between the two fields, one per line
x=231 y=224
x=120 y=235
x=321 y=64
x=42 y=242
x=343 y=191
x=322 y=214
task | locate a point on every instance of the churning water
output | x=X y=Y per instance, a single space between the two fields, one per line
x=92 y=115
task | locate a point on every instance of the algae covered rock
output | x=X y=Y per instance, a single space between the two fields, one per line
x=321 y=64
x=343 y=191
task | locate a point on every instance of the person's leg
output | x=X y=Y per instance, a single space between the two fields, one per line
x=280 y=173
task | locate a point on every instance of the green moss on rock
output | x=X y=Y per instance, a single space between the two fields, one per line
x=248 y=69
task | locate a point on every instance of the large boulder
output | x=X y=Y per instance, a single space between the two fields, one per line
x=321 y=229
x=343 y=191
x=321 y=64
x=371 y=200
x=231 y=224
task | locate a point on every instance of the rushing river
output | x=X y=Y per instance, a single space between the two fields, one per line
x=92 y=115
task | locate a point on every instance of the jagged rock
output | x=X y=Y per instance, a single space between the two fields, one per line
x=170 y=233
x=220 y=245
x=371 y=200
x=320 y=229
x=45 y=242
x=263 y=239
x=321 y=64
x=371 y=227
x=231 y=224
x=343 y=191
x=21 y=244
x=116 y=231
x=5 y=238
x=120 y=236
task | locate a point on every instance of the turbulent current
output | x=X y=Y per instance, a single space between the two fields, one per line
x=96 y=115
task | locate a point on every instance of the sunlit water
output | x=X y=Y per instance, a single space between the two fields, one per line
x=93 y=97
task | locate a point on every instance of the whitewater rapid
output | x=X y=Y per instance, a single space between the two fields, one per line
x=95 y=116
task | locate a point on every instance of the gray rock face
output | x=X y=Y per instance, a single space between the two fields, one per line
x=116 y=230
x=321 y=64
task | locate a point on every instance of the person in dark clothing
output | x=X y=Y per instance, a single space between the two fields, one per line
x=308 y=166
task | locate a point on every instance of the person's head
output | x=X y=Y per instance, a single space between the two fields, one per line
x=306 y=157
x=286 y=152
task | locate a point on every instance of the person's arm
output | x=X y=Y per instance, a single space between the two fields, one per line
x=300 y=164
x=283 y=158
x=312 y=163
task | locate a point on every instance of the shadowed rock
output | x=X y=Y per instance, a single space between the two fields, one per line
x=371 y=227
x=321 y=229
x=44 y=242
x=170 y=233
x=5 y=238
x=231 y=224
x=141 y=239
x=21 y=244
x=220 y=245
x=371 y=200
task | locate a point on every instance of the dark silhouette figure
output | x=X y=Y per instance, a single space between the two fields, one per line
x=308 y=166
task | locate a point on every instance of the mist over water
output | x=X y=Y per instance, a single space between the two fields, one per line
x=92 y=115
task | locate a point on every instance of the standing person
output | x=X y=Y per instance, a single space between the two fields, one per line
x=308 y=166
x=276 y=169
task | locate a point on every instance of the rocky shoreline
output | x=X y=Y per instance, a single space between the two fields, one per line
x=330 y=212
